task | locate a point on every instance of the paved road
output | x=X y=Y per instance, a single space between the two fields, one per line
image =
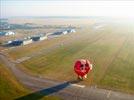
x=67 y=90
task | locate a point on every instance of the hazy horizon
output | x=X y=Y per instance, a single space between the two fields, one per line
x=77 y=8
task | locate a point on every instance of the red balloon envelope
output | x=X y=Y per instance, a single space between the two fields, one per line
x=82 y=67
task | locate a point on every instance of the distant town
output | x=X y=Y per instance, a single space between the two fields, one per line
x=6 y=31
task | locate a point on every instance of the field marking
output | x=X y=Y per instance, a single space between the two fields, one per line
x=22 y=59
x=77 y=85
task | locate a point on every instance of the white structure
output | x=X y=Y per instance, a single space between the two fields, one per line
x=43 y=38
x=27 y=41
x=7 y=33
x=73 y=30
x=64 y=32
x=9 y=42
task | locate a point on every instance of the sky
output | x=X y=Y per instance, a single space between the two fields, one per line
x=11 y=8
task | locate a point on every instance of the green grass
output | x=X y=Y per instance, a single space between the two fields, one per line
x=111 y=50
x=10 y=88
x=120 y=74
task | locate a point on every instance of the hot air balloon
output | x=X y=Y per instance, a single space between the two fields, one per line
x=82 y=67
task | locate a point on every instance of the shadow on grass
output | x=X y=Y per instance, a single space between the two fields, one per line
x=45 y=92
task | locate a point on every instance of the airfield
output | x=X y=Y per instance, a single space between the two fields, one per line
x=107 y=43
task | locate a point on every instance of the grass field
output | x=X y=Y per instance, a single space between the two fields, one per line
x=10 y=88
x=110 y=49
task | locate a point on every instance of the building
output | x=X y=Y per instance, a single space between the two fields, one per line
x=64 y=32
x=57 y=33
x=39 y=37
x=20 y=42
x=9 y=42
x=26 y=41
x=16 y=42
x=6 y=33
x=71 y=31
x=60 y=32
x=35 y=38
x=43 y=37
x=10 y=33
